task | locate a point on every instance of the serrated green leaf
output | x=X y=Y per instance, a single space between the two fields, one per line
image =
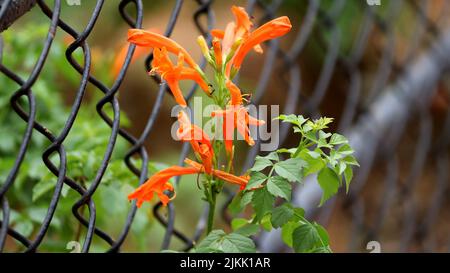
x=345 y=150
x=350 y=160
x=272 y=156
x=288 y=151
x=260 y=164
x=287 y=230
x=235 y=243
x=291 y=169
x=337 y=139
x=299 y=214
x=280 y=187
x=256 y=179
x=323 y=135
x=341 y=167
x=323 y=249
x=209 y=240
x=237 y=223
x=314 y=163
x=323 y=233
x=348 y=174
x=281 y=215
x=306 y=238
x=329 y=182
x=265 y=222
x=262 y=202
x=239 y=201
x=235 y=206
x=321 y=123
x=246 y=198
x=248 y=230
x=294 y=119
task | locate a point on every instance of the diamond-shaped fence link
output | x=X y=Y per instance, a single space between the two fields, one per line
x=382 y=85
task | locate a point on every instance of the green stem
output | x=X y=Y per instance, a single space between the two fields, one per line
x=212 y=208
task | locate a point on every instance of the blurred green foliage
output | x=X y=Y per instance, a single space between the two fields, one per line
x=30 y=195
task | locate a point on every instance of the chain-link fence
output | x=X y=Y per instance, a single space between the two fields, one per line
x=385 y=81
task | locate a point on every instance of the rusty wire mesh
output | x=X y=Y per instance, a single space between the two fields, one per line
x=380 y=108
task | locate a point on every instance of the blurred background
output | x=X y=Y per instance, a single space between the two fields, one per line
x=382 y=71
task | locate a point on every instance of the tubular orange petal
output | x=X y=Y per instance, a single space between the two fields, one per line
x=228 y=38
x=230 y=178
x=173 y=74
x=217 y=33
x=176 y=91
x=151 y=39
x=271 y=30
x=236 y=96
x=158 y=183
x=120 y=59
x=242 y=19
x=217 y=52
x=200 y=142
x=192 y=74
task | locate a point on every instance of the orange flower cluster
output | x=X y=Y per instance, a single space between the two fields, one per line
x=229 y=48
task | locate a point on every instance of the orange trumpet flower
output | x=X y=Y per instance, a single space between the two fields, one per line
x=120 y=58
x=200 y=141
x=271 y=30
x=158 y=183
x=227 y=177
x=237 y=117
x=173 y=74
x=151 y=39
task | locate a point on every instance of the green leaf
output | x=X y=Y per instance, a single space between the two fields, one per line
x=261 y=163
x=314 y=163
x=323 y=135
x=265 y=222
x=246 y=198
x=321 y=123
x=323 y=249
x=348 y=174
x=306 y=238
x=297 y=120
x=299 y=214
x=287 y=151
x=237 y=223
x=262 y=202
x=256 y=179
x=273 y=156
x=239 y=202
x=329 y=182
x=287 y=230
x=24 y=226
x=281 y=215
x=350 y=160
x=248 y=230
x=337 y=139
x=291 y=169
x=209 y=240
x=41 y=188
x=345 y=150
x=341 y=167
x=323 y=233
x=219 y=241
x=278 y=186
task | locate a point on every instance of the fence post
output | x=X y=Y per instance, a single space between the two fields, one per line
x=11 y=10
